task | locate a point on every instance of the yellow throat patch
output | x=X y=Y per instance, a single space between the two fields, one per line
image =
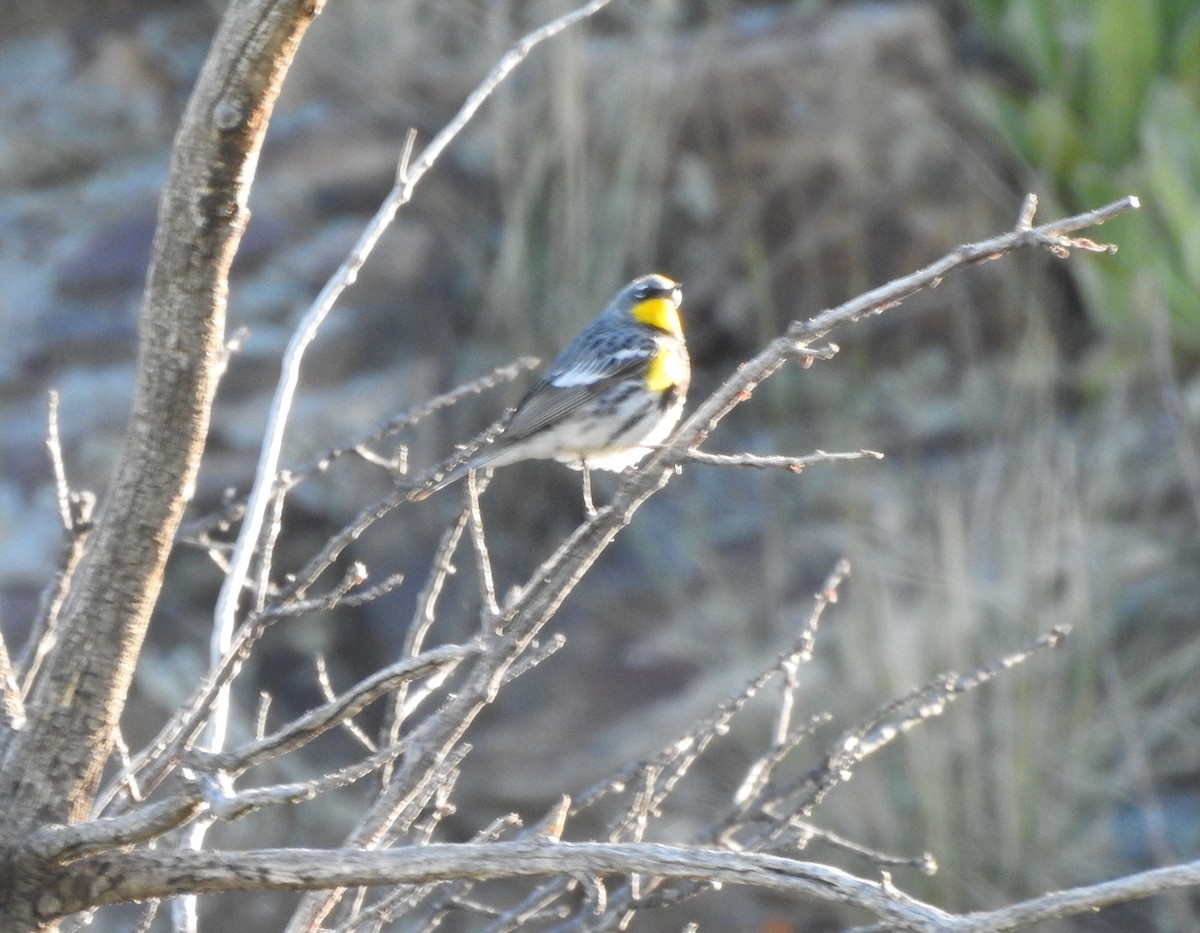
x=659 y=313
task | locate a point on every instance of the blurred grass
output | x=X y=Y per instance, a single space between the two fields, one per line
x=1105 y=101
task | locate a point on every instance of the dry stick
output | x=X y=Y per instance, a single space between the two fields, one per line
x=75 y=514
x=418 y=629
x=261 y=585
x=878 y=730
x=893 y=719
x=791 y=464
x=235 y=805
x=483 y=559
x=1050 y=236
x=329 y=695
x=1080 y=900
x=125 y=876
x=305 y=728
x=784 y=741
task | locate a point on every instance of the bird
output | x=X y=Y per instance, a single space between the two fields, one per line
x=616 y=390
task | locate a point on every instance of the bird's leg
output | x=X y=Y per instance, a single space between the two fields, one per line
x=589 y=507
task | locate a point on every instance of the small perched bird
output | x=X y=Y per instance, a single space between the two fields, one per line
x=618 y=387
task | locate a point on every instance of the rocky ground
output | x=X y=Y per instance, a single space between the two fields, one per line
x=776 y=162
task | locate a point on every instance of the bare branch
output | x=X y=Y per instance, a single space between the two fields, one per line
x=889 y=722
x=483 y=560
x=418 y=629
x=139 y=875
x=1050 y=236
x=328 y=694
x=303 y=730
x=234 y=805
x=786 y=735
x=1080 y=900
x=163 y=753
x=791 y=464
x=360 y=445
x=69 y=504
x=66 y=843
x=75 y=513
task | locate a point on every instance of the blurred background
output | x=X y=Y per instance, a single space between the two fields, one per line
x=1041 y=419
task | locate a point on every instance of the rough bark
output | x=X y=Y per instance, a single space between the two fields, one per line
x=52 y=764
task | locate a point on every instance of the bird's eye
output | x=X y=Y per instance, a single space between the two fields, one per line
x=645 y=291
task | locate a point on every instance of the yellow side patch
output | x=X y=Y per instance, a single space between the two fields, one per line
x=660 y=313
x=665 y=370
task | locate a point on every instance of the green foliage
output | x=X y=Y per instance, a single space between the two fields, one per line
x=1112 y=107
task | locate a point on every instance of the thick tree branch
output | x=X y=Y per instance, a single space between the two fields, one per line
x=62 y=844
x=51 y=767
x=131 y=876
x=140 y=875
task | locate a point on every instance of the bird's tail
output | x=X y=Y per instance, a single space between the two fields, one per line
x=431 y=482
x=457 y=473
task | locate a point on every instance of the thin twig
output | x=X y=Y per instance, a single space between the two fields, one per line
x=786 y=737
x=892 y=720
x=244 y=802
x=75 y=514
x=418 y=629
x=328 y=695
x=483 y=560
x=305 y=728
x=409 y=417
x=791 y=464
x=1051 y=236
x=157 y=759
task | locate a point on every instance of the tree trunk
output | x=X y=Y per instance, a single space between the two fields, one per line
x=51 y=766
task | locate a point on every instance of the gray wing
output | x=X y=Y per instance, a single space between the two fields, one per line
x=562 y=391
